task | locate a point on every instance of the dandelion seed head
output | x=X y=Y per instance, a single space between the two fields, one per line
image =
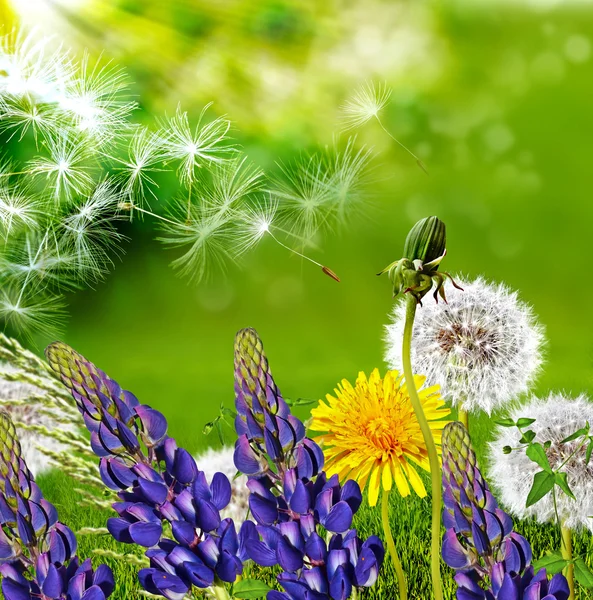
x=483 y=348
x=556 y=417
x=365 y=104
x=221 y=461
x=25 y=414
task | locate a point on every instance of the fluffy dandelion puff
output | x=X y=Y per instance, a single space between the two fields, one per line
x=370 y=432
x=365 y=104
x=28 y=414
x=207 y=143
x=483 y=348
x=556 y=417
x=221 y=461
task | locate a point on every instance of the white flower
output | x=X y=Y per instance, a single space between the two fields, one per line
x=484 y=348
x=556 y=418
x=214 y=461
x=29 y=413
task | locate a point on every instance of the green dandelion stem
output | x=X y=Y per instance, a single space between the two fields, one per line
x=401 y=578
x=566 y=549
x=433 y=458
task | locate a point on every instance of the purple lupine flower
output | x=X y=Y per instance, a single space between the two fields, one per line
x=157 y=482
x=492 y=561
x=291 y=496
x=37 y=552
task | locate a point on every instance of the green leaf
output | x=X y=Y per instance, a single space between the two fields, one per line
x=538 y=455
x=589 y=450
x=208 y=428
x=528 y=437
x=553 y=563
x=543 y=483
x=227 y=412
x=561 y=481
x=547 y=444
x=583 y=573
x=220 y=432
x=524 y=422
x=250 y=589
x=505 y=422
x=577 y=434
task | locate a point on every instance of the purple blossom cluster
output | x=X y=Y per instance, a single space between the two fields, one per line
x=291 y=497
x=159 y=484
x=38 y=552
x=492 y=561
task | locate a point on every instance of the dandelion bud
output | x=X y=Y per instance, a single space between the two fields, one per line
x=507 y=450
x=426 y=241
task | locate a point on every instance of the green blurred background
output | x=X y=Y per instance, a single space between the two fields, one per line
x=495 y=97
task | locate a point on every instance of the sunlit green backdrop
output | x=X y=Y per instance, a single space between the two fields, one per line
x=495 y=98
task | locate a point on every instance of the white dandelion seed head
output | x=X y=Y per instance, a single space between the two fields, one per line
x=30 y=413
x=483 y=348
x=365 y=104
x=254 y=222
x=556 y=417
x=221 y=461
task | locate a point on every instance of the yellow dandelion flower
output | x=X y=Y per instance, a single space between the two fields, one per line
x=370 y=432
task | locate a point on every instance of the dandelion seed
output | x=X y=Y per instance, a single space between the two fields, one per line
x=365 y=104
x=135 y=173
x=89 y=236
x=31 y=311
x=95 y=99
x=483 y=348
x=22 y=115
x=18 y=209
x=556 y=417
x=66 y=168
x=207 y=143
x=304 y=196
x=210 y=236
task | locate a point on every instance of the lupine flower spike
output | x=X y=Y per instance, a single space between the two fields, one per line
x=414 y=274
x=158 y=483
x=492 y=561
x=291 y=497
x=37 y=552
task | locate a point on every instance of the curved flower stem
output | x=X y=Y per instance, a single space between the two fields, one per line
x=463 y=417
x=401 y=578
x=566 y=549
x=433 y=458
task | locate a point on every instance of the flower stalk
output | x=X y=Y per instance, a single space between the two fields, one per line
x=433 y=458
x=399 y=572
x=566 y=550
